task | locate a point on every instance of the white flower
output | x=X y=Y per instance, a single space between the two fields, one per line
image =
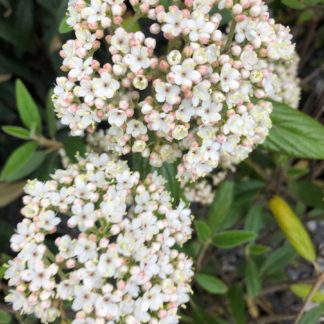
x=85 y=250
x=105 y=86
x=166 y=92
x=185 y=74
x=229 y=78
x=117 y=117
x=137 y=59
x=48 y=220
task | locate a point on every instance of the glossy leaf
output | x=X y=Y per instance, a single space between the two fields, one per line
x=64 y=27
x=202 y=230
x=9 y=192
x=74 y=145
x=18 y=132
x=252 y=279
x=5 y=318
x=17 y=161
x=295 y=133
x=211 y=284
x=221 y=205
x=231 y=239
x=313 y=316
x=28 y=110
x=294 y=4
x=237 y=304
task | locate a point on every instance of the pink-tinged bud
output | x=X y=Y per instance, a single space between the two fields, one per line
x=155 y=28
x=154 y=63
x=185 y=31
x=231 y=112
x=255 y=11
x=245 y=74
x=237 y=65
x=123 y=104
x=217 y=36
x=59 y=258
x=240 y=18
x=39 y=237
x=214 y=78
x=150 y=42
x=32 y=299
x=186 y=13
x=245 y=3
x=130 y=113
x=188 y=51
x=164 y=66
x=126 y=83
x=144 y=7
x=167 y=108
x=224 y=59
x=70 y=264
x=237 y=9
x=188 y=94
x=203 y=70
x=170 y=77
x=105 y=22
x=189 y=3
x=95 y=64
x=236 y=50
x=259 y=94
x=118 y=20
x=203 y=40
x=134 y=2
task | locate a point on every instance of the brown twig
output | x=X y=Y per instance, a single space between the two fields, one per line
x=308 y=299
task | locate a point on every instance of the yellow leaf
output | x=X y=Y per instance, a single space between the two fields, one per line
x=303 y=290
x=10 y=191
x=292 y=228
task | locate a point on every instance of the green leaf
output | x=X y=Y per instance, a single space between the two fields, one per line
x=50 y=115
x=230 y=239
x=17 y=161
x=303 y=290
x=254 y=220
x=294 y=4
x=252 y=279
x=165 y=3
x=278 y=260
x=5 y=318
x=313 y=316
x=31 y=165
x=140 y=165
x=203 y=231
x=74 y=145
x=237 y=304
x=18 y=132
x=169 y=172
x=27 y=108
x=131 y=25
x=221 y=205
x=308 y=193
x=257 y=249
x=211 y=284
x=64 y=27
x=295 y=133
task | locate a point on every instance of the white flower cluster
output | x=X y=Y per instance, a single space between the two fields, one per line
x=200 y=101
x=114 y=259
x=283 y=84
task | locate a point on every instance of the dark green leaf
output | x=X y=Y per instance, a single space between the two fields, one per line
x=31 y=165
x=278 y=260
x=202 y=230
x=313 y=316
x=221 y=205
x=17 y=161
x=230 y=239
x=74 y=145
x=169 y=172
x=254 y=218
x=140 y=165
x=295 y=133
x=211 y=284
x=295 y=4
x=50 y=115
x=257 y=249
x=165 y=3
x=18 y=132
x=237 y=304
x=252 y=279
x=308 y=193
x=27 y=108
x=64 y=27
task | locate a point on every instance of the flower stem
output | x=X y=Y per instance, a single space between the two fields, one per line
x=230 y=36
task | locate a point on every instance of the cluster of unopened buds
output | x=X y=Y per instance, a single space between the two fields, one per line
x=114 y=258
x=199 y=99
